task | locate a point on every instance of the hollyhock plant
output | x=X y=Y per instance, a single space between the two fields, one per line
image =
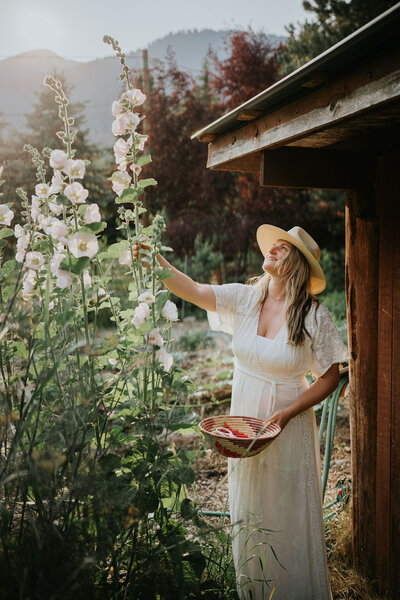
x=86 y=465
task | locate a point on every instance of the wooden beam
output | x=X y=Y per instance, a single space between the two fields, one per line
x=245 y=164
x=249 y=115
x=314 y=168
x=362 y=271
x=370 y=87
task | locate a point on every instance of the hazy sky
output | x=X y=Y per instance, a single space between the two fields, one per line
x=75 y=28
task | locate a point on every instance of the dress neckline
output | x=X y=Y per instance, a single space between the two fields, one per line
x=264 y=337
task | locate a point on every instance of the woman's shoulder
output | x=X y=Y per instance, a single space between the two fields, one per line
x=317 y=316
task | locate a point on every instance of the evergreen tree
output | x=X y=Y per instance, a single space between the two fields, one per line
x=334 y=20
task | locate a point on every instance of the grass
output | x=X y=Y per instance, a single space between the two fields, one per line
x=346 y=582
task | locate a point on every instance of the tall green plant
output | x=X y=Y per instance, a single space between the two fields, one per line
x=91 y=489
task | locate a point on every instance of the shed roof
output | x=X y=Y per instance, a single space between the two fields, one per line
x=346 y=55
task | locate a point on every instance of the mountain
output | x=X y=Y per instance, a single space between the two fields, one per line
x=96 y=82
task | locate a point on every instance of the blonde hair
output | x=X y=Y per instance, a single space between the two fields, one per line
x=296 y=270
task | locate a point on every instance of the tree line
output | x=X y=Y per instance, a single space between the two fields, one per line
x=211 y=216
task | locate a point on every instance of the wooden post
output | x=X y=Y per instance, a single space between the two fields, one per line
x=388 y=415
x=362 y=269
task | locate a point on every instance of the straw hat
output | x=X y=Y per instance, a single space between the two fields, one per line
x=269 y=234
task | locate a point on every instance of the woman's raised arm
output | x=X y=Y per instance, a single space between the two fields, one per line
x=183 y=286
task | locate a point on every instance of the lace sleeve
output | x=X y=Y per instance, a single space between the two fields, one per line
x=327 y=347
x=227 y=299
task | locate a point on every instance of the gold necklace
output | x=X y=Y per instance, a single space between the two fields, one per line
x=276 y=299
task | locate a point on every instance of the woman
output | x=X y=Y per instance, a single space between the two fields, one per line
x=279 y=333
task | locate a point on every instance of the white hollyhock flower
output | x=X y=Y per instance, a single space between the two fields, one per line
x=135 y=96
x=87 y=280
x=55 y=263
x=45 y=223
x=22 y=244
x=34 y=260
x=59 y=230
x=75 y=168
x=121 y=180
x=147 y=297
x=125 y=123
x=42 y=190
x=28 y=284
x=6 y=215
x=56 y=208
x=116 y=108
x=142 y=312
x=76 y=193
x=19 y=231
x=125 y=257
x=35 y=209
x=170 y=311
x=164 y=358
x=121 y=149
x=57 y=183
x=140 y=141
x=83 y=244
x=64 y=279
x=92 y=214
x=58 y=159
x=137 y=169
x=154 y=338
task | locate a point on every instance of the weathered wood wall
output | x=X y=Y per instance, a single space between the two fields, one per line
x=362 y=274
x=388 y=407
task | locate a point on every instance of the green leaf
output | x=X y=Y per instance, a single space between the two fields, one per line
x=94 y=227
x=128 y=195
x=114 y=251
x=75 y=265
x=6 y=232
x=3 y=243
x=143 y=160
x=8 y=267
x=179 y=417
x=143 y=183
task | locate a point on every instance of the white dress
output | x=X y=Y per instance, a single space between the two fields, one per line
x=275 y=496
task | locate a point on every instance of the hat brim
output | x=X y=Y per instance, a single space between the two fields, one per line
x=269 y=234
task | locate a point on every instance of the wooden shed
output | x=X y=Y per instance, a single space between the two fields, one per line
x=335 y=124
